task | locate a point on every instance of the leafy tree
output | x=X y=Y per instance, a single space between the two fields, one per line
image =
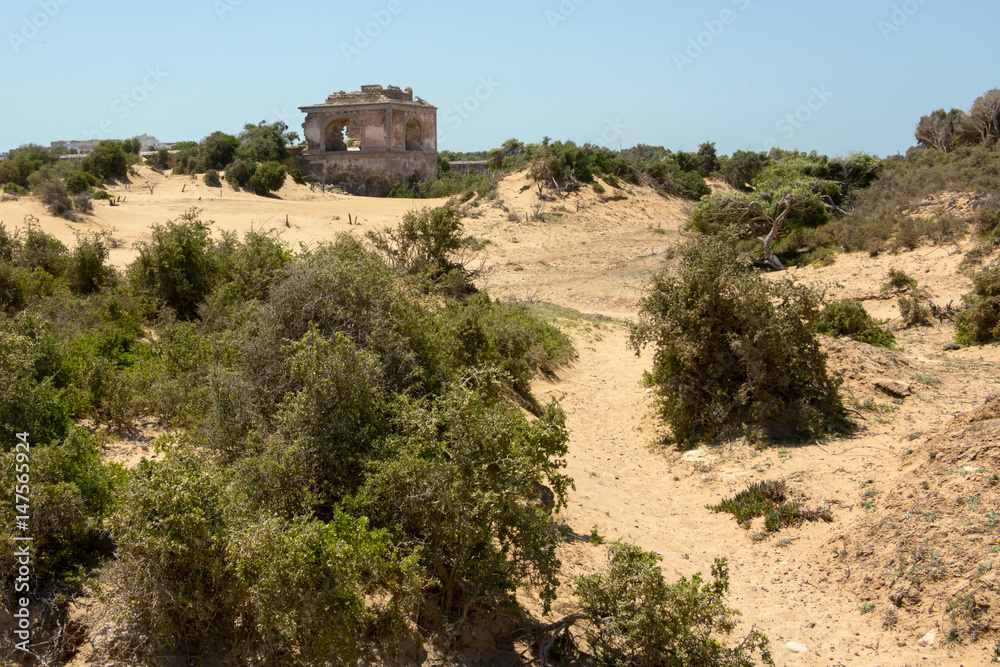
x=159 y=160
x=190 y=158
x=984 y=116
x=268 y=177
x=708 y=160
x=636 y=619
x=24 y=161
x=132 y=145
x=269 y=141
x=107 y=161
x=734 y=352
x=218 y=149
x=941 y=130
x=741 y=168
x=499 y=157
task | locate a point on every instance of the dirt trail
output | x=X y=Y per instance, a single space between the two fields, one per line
x=629 y=488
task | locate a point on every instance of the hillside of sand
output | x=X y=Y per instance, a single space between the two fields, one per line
x=906 y=572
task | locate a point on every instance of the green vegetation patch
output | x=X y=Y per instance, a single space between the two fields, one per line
x=849 y=318
x=769 y=499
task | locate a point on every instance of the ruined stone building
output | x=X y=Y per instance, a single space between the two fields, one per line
x=377 y=130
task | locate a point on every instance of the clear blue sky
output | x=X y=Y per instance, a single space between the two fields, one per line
x=587 y=70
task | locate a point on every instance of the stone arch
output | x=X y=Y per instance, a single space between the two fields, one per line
x=343 y=133
x=414 y=133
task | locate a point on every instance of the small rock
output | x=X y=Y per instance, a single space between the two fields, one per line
x=905 y=594
x=894 y=388
x=951 y=347
x=796 y=647
x=928 y=639
x=972 y=469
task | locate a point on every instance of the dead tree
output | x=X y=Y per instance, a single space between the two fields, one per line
x=765 y=230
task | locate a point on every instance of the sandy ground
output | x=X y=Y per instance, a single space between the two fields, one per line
x=593 y=253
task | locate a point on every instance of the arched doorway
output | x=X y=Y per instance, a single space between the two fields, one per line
x=414 y=135
x=342 y=134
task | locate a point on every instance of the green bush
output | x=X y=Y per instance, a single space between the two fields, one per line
x=13 y=288
x=29 y=401
x=197 y=569
x=41 y=250
x=212 y=179
x=159 y=160
x=250 y=268
x=913 y=311
x=80 y=181
x=979 y=323
x=741 y=168
x=107 y=161
x=267 y=178
x=177 y=265
x=423 y=246
x=239 y=173
x=478 y=530
x=71 y=491
x=342 y=287
x=491 y=334
x=635 y=618
x=218 y=149
x=22 y=162
x=190 y=159
x=87 y=270
x=297 y=177
x=733 y=351
x=267 y=142
x=769 y=500
x=55 y=197
x=849 y=318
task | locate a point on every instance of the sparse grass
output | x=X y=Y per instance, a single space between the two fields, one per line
x=890 y=620
x=595 y=537
x=923 y=378
x=867 y=607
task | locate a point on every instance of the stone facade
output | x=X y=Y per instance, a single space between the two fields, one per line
x=377 y=130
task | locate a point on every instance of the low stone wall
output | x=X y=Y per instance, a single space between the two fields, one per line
x=463 y=168
x=401 y=166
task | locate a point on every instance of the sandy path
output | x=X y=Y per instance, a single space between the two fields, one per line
x=630 y=489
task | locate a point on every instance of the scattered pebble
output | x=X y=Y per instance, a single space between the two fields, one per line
x=796 y=647
x=928 y=639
